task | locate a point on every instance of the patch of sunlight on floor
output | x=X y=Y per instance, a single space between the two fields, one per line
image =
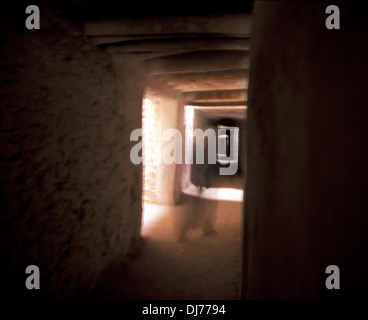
x=224 y=194
x=152 y=214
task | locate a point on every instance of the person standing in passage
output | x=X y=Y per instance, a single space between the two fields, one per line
x=201 y=211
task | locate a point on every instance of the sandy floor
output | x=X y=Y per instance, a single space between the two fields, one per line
x=202 y=267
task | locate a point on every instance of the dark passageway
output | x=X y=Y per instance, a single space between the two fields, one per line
x=96 y=77
x=99 y=109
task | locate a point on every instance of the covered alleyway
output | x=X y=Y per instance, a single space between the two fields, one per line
x=86 y=199
x=203 y=267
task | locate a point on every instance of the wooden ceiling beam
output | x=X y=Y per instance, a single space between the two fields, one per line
x=104 y=31
x=201 y=61
x=203 y=81
x=215 y=96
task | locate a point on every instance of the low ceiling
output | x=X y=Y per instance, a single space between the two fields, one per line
x=205 y=57
x=84 y=10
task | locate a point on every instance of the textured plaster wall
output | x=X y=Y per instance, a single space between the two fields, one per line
x=170 y=109
x=307 y=170
x=70 y=198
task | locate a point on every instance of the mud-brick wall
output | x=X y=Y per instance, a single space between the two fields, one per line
x=307 y=170
x=169 y=109
x=67 y=201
